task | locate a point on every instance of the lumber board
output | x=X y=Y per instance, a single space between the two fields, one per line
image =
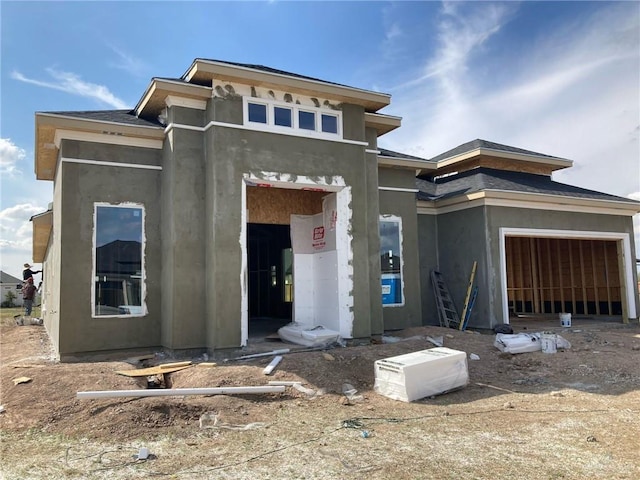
x=146 y=372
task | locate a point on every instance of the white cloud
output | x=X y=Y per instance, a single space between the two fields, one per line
x=71 y=83
x=128 y=62
x=10 y=157
x=16 y=236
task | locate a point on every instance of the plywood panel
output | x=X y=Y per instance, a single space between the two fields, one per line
x=276 y=205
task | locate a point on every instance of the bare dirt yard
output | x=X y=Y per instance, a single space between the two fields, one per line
x=573 y=414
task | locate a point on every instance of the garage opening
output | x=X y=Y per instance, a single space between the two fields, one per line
x=564 y=275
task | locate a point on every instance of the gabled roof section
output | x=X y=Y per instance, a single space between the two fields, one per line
x=482 y=153
x=493 y=182
x=107 y=124
x=153 y=99
x=203 y=71
x=9 y=279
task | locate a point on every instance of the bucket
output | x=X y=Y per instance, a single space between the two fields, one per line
x=548 y=341
x=565 y=320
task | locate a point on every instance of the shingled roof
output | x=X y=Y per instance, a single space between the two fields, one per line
x=390 y=153
x=478 y=143
x=483 y=178
x=127 y=117
x=266 y=69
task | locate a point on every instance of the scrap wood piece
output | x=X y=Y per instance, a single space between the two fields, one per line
x=207 y=364
x=147 y=372
x=165 y=366
x=177 y=392
x=18 y=380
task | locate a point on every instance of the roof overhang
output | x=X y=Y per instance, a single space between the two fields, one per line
x=382 y=123
x=524 y=200
x=549 y=163
x=42 y=225
x=420 y=166
x=47 y=143
x=205 y=71
x=154 y=99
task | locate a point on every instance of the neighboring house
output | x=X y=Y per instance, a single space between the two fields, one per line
x=238 y=193
x=9 y=283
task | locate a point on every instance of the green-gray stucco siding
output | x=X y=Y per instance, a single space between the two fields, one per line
x=84 y=185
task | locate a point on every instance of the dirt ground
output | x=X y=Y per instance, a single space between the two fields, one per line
x=573 y=414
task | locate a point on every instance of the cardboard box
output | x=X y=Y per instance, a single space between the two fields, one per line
x=421 y=374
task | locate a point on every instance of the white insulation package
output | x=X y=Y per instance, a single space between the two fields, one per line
x=421 y=374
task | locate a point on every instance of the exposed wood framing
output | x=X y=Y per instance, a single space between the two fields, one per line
x=558 y=275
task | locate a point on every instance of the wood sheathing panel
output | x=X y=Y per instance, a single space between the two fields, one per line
x=498 y=164
x=557 y=275
x=276 y=205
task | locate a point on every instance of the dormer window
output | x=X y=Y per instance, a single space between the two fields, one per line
x=292 y=119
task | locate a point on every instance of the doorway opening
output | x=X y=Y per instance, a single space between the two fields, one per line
x=270 y=269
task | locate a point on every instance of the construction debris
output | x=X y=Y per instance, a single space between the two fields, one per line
x=177 y=392
x=271 y=367
x=157 y=370
x=257 y=355
x=19 y=380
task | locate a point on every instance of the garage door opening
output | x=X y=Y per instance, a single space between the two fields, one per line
x=564 y=275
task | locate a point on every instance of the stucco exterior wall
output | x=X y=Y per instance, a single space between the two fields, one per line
x=428 y=260
x=403 y=204
x=184 y=233
x=232 y=152
x=461 y=240
x=52 y=269
x=84 y=185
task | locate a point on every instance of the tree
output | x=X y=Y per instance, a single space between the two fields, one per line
x=9 y=299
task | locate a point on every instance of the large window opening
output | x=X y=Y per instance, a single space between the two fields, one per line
x=118 y=260
x=391 y=260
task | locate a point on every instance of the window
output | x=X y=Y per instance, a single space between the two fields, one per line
x=118 y=260
x=282 y=117
x=293 y=119
x=329 y=123
x=391 y=260
x=257 y=113
x=306 y=120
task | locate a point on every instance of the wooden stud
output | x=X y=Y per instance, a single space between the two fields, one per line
x=607 y=277
x=559 y=258
x=573 y=295
x=595 y=278
x=550 y=273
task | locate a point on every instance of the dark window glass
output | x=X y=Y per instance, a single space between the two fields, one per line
x=282 y=117
x=329 y=123
x=306 y=120
x=257 y=113
x=118 y=261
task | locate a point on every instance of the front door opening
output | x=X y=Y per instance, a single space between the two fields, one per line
x=270 y=277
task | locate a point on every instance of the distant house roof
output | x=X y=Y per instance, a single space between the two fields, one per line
x=478 y=143
x=128 y=117
x=10 y=279
x=483 y=178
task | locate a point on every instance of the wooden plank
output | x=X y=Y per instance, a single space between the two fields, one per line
x=146 y=372
x=583 y=282
x=573 y=293
x=607 y=276
x=534 y=275
x=550 y=275
x=595 y=278
x=560 y=272
x=165 y=366
x=519 y=256
x=623 y=283
x=468 y=296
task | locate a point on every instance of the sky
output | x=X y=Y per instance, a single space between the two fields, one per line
x=559 y=78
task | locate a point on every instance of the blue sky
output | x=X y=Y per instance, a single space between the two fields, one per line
x=561 y=78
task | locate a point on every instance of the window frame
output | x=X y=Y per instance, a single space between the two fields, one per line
x=143 y=288
x=397 y=220
x=295 y=109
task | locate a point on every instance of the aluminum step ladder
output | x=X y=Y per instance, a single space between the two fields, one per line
x=447 y=313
